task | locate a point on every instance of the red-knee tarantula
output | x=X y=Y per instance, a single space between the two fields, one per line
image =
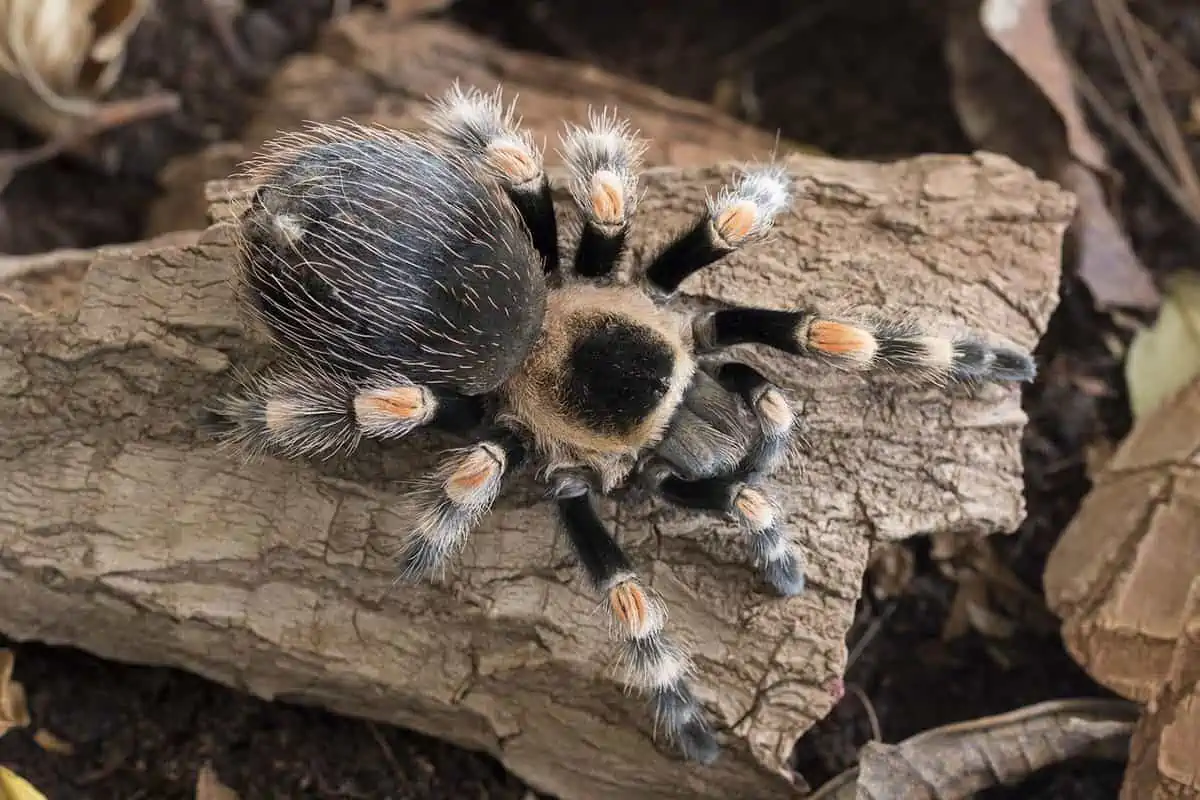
x=412 y=279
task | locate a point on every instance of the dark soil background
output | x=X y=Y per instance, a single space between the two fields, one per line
x=865 y=79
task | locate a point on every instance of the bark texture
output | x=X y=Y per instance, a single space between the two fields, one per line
x=125 y=532
x=1163 y=761
x=1123 y=578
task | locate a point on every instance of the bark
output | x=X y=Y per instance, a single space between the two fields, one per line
x=1123 y=580
x=124 y=532
x=1119 y=577
x=1162 y=762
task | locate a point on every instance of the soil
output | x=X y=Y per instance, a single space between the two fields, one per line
x=855 y=80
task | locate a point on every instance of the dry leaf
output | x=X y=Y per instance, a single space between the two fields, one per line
x=209 y=786
x=14 y=787
x=957 y=761
x=51 y=743
x=1165 y=357
x=13 y=711
x=60 y=56
x=890 y=569
x=990 y=598
x=1014 y=94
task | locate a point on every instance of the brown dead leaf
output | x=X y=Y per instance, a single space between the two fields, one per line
x=209 y=786
x=957 y=761
x=57 y=59
x=990 y=598
x=890 y=570
x=60 y=56
x=14 y=713
x=1014 y=93
x=1022 y=29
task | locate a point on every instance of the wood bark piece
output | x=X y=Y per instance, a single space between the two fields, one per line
x=1120 y=574
x=380 y=67
x=124 y=532
x=1123 y=578
x=1164 y=761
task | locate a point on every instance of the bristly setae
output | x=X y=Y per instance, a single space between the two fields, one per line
x=413 y=279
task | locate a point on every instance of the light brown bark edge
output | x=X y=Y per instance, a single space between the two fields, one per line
x=124 y=533
x=1163 y=760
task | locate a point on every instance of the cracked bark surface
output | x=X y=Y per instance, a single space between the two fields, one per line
x=1123 y=580
x=1162 y=757
x=126 y=533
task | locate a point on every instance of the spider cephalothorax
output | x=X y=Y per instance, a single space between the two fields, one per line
x=414 y=279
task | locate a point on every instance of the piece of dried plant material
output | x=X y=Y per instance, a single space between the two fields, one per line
x=52 y=743
x=890 y=569
x=990 y=599
x=59 y=56
x=1014 y=94
x=954 y=762
x=14 y=713
x=1165 y=357
x=14 y=787
x=1118 y=578
x=209 y=786
x=57 y=60
x=1163 y=754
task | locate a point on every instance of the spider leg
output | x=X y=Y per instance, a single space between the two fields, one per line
x=866 y=343
x=743 y=212
x=480 y=127
x=776 y=419
x=301 y=411
x=771 y=548
x=452 y=501
x=603 y=159
x=653 y=663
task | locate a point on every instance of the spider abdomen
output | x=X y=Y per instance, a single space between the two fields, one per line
x=370 y=250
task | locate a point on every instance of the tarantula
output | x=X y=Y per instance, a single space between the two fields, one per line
x=413 y=279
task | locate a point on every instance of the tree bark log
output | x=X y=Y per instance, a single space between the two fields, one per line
x=124 y=532
x=1162 y=761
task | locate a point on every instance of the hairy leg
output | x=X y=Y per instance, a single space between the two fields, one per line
x=603 y=159
x=301 y=411
x=480 y=127
x=776 y=419
x=870 y=342
x=452 y=501
x=770 y=546
x=742 y=213
x=653 y=664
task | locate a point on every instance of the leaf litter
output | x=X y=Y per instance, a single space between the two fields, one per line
x=58 y=58
x=1014 y=94
x=955 y=762
x=14 y=713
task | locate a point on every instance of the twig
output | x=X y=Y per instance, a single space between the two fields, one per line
x=1139 y=74
x=870 y=633
x=1133 y=140
x=806 y=15
x=106 y=117
x=869 y=707
x=387 y=751
x=1191 y=75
